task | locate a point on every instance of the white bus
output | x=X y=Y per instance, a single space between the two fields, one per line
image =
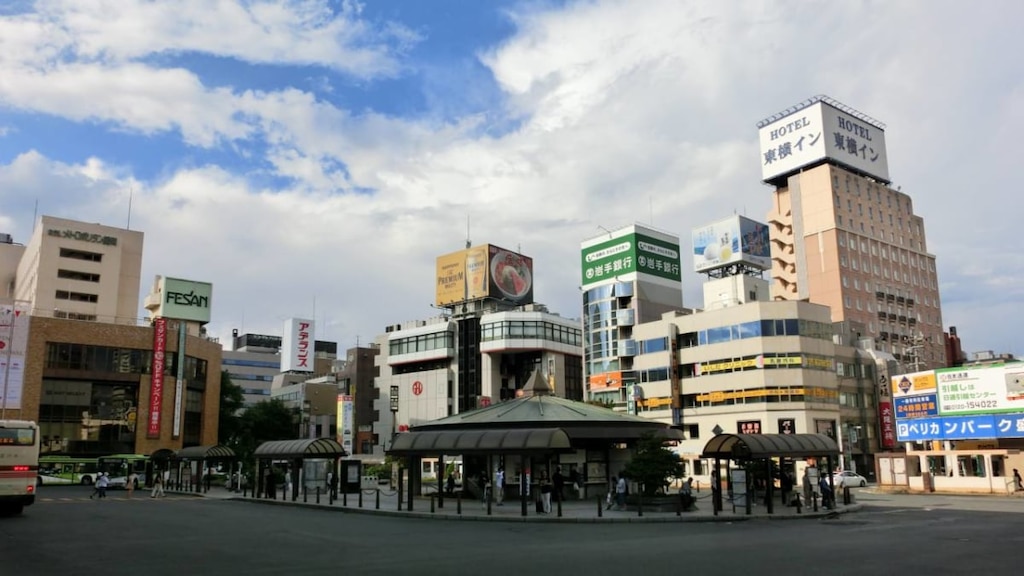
x=19 y=465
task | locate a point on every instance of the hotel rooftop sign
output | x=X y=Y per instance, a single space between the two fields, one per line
x=83 y=236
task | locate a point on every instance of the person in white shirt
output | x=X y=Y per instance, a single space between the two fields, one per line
x=499 y=485
x=158 y=486
x=101 y=485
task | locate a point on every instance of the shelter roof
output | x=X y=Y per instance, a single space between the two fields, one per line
x=215 y=452
x=304 y=448
x=519 y=440
x=768 y=445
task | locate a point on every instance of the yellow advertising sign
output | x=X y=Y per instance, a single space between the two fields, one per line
x=720 y=396
x=461 y=276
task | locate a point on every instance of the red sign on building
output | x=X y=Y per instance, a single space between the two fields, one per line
x=156 y=387
x=417 y=388
x=887 y=424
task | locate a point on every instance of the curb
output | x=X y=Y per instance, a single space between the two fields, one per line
x=831 y=514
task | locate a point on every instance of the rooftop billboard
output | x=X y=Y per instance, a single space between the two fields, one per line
x=297 y=345
x=822 y=131
x=733 y=240
x=629 y=253
x=481 y=272
x=184 y=299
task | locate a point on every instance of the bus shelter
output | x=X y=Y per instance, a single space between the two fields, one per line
x=755 y=455
x=294 y=453
x=537 y=425
x=203 y=456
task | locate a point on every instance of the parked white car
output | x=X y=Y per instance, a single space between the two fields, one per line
x=848 y=478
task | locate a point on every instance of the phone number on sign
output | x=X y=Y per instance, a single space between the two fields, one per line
x=971 y=405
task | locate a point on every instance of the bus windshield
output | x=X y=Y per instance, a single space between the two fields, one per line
x=17 y=436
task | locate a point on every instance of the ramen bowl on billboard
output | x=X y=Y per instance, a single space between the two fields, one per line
x=511 y=275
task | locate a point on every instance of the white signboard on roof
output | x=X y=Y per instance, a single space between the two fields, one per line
x=821 y=131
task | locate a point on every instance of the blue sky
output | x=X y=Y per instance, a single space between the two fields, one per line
x=327 y=151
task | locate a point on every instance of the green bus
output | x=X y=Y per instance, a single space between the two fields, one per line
x=119 y=466
x=67 y=470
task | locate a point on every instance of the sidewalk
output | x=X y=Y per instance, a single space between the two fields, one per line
x=573 y=511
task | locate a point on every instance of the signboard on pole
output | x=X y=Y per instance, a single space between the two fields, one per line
x=179 y=381
x=297 y=345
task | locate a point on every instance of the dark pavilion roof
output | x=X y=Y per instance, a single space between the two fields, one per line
x=537 y=408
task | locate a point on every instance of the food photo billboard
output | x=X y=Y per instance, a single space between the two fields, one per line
x=818 y=131
x=627 y=254
x=730 y=241
x=511 y=275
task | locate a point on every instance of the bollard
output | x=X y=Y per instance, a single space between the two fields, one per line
x=344 y=497
x=559 y=505
x=640 y=501
x=305 y=495
x=600 y=509
x=799 y=504
x=317 y=494
x=360 y=496
x=679 y=505
x=458 y=503
x=377 y=505
x=330 y=497
x=814 y=498
x=846 y=495
x=488 y=493
x=432 y=504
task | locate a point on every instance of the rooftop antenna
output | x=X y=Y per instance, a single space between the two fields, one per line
x=131 y=193
x=35 y=214
x=650 y=206
x=469 y=243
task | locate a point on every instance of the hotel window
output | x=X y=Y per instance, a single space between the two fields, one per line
x=845 y=283
x=842 y=239
x=842 y=260
x=847 y=301
x=76 y=296
x=858 y=304
x=853 y=262
x=75 y=275
x=80 y=255
x=856 y=283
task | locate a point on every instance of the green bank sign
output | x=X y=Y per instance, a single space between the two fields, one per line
x=628 y=254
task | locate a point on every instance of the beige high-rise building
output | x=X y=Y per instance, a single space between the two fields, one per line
x=81 y=271
x=842 y=236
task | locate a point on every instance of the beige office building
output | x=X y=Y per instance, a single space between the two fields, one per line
x=81 y=271
x=843 y=237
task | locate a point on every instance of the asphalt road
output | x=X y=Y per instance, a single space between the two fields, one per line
x=66 y=533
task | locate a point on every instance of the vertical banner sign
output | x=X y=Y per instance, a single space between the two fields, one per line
x=347 y=424
x=179 y=383
x=156 y=386
x=297 y=345
x=886 y=414
x=14 y=320
x=339 y=421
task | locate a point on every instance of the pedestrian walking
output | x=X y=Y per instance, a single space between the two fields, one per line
x=499 y=485
x=101 y=486
x=559 y=484
x=1018 y=485
x=620 y=492
x=158 y=486
x=545 y=493
x=129 y=484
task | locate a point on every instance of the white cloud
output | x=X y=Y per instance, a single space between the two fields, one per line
x=629 y=112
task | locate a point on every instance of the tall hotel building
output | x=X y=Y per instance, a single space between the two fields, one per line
x=629 y=276
x=843 y=237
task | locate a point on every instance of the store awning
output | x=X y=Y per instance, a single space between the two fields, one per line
x=494 y=441
x=736 y=446
x=305 y=448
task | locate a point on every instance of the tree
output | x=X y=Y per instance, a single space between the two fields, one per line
x=231 y=403
x=604 y=403
x=653 y=465
x=263 y=422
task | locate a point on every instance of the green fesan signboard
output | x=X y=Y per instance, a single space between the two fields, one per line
x=186 y=300
x=627 y=254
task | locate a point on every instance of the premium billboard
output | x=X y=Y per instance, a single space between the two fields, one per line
x=733 y=240
x=633 y=252
x=185 y=299
x=345 y=421
x=297 y=345
x=481 y=272
x=820 y=131
x=14 y=325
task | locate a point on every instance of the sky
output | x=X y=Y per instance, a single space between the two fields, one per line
x=312 y=158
